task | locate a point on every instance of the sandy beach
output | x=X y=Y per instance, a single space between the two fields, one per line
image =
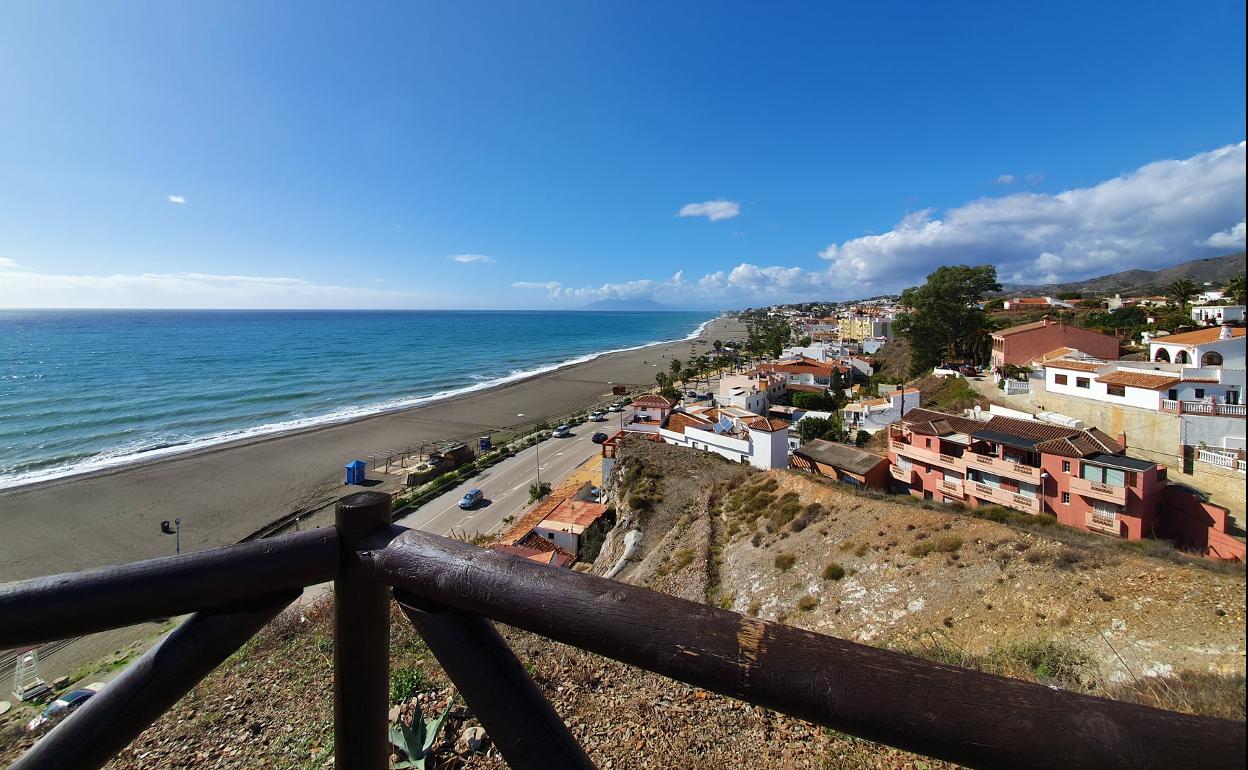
x=226 y=492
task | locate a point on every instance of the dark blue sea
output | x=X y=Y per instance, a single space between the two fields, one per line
x=86 y=389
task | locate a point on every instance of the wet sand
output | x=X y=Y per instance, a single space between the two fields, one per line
x=226 y=492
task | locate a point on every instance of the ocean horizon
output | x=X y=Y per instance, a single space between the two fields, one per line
x=83 y=390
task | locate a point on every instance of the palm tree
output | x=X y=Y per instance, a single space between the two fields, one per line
x=674 y=367
x=1235 y=288
x=717 y=345
x=1181 y=291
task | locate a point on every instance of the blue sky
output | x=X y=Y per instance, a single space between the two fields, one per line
x=242 y=154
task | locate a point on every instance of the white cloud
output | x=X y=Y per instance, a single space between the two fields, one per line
x=471 y=258
x=177 y=198
x=22 y=286
x=1230 y=238
x=713 y=210
x=1146 y=218
x=1006 y=179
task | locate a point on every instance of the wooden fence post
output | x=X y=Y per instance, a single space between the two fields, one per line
x=361 y=643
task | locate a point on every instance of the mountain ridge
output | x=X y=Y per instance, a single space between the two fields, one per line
x=1215 y=269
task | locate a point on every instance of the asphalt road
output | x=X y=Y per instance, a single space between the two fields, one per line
x=506 y=485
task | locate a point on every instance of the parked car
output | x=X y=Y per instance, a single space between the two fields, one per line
x=617 y=407
x=563 y=431
x=598 y=417
x=471 y=498
x=598 y=437
x=63 y=707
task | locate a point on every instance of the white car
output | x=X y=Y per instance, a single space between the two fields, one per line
x=617 y=407
x=598 y=417
x=563 y=431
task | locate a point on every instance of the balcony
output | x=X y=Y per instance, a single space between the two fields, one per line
x=954 y=488
x=1003 y=467
x=928 y=456
x=1204 y=407
x=1004 y=497
x=1098 y=491
x=1099 y=522
x=1222 y=459
x=904 y=475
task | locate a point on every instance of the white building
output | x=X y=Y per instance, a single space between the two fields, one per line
x=1217 y=314
x=758 y=441
x=649 y=412
x=1155 y=386
x=877 y=414
x=1221 y=346
x=753 y=393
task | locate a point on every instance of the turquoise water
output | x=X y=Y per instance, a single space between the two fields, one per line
x=86 y=389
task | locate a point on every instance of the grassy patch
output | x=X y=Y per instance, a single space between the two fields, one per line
x=682 y=558
x=833 y=571
x=807 y=603
x=785 y=561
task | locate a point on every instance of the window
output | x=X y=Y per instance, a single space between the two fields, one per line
x=929 y=443
x=1132 y=479
x=1115 y=477
x=1116 y=390
x=1083 y=382
x=1065 y=466
x=1065 y=498
x=1200 y=393
x=1059 y=379
x=1161 y=474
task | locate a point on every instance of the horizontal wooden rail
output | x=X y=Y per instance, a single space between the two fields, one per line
x=106 y=723
x=964 y=716
x=46 y=608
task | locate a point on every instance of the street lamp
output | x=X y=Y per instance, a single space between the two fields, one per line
x=176 y=530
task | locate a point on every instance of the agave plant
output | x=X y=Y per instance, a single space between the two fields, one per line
x=415 y=739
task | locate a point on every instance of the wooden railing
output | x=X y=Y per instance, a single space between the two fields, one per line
x=450 y=590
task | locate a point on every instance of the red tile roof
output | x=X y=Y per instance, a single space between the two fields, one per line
x=1052 y=439
x=1078 y=366
x=580 y=513
x=768 y=425
x=654 y=401
x=680 y=420
x=1198 y=337
x=539 y=549
x=1139 y=379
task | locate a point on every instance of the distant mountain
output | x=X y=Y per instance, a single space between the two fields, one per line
x=1215 y=269
x=626 y=304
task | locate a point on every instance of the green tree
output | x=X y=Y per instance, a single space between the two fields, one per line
x=717 y=345
x=829 y=429
x=1235 y=289
x=862 y=438
x=817 y=402
x=943 y=320
x=538 y=490
x=1181 y=291
x=674 y=367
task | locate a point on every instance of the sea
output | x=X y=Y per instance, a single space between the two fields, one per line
x=82 y=390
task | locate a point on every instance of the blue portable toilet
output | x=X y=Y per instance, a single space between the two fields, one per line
x=483 y=444
x=355 y=472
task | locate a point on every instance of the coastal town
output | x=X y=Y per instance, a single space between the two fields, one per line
x=623 y=386
x=1127 y=436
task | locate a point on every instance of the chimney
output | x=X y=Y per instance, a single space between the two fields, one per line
x=1225 y=334
x=1122 y=439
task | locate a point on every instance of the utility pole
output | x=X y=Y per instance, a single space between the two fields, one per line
x=538 y=449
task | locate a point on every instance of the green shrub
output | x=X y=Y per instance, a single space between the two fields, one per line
x=405 y=681
x=921 y=549
x=682 y=558
x=833 y=571
x=948 y=543
x=785 y=561
x=807 y=603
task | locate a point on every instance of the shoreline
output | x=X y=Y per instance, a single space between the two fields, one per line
x=228 y=490
x=243 y=436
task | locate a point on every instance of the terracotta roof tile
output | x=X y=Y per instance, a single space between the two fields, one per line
x=1078 y=366
x=1198 y=337
x=654 y=401
x=679 y=421
x=1138 y=379
x=768 y=425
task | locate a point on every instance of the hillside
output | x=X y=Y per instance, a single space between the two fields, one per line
x=1056 y=606
x=1215 y=269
